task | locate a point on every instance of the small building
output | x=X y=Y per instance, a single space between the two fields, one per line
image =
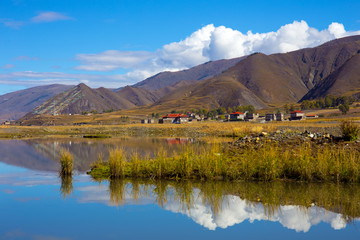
x=251 y=116
x=312 y=116
x=147 y=121
x=269 y=117
x=297 y=115
x=279 y=117
x=8 y=122
x=174 y=118
x=237 y=116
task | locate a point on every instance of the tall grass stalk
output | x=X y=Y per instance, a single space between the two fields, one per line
x=117 y=162
x=66 y=163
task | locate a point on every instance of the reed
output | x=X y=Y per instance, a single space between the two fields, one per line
x=66 y=163
x=117 y=162
x=262 y=163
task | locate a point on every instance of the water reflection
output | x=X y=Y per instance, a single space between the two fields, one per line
x=220 y=204
x=66 y=187
x=44 y=154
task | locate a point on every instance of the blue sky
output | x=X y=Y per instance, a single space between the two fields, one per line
x=113 y=43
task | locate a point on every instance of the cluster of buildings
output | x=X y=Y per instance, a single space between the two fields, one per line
x=235 y=116
x=269 y=117
x=7 y=122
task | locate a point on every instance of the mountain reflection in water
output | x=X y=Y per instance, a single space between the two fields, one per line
x=44 y=154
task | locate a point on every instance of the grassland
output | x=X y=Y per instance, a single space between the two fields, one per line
x=197 y=129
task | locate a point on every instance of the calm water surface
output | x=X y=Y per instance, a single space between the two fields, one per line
x=36 y=204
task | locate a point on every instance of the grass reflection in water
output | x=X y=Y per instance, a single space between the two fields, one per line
x=338 y=198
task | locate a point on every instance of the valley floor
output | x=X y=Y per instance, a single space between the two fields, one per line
x=196 y=129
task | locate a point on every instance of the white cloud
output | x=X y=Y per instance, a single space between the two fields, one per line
x=12 y=23
x=26 y=58
x=49 y=17
x=30 y=78
x=112 y=59
x=8 y=66
x=211 y=43
x=206 y=44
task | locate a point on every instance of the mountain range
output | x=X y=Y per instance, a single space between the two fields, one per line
x=258 y=79
x=14 y=105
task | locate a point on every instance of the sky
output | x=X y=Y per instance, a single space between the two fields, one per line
x=113 y=43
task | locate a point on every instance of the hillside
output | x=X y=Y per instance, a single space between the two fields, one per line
x=197 y=73
x=138 y=96
x=81 y=98
x=263 y=80
x=343 y=81
x=16 y=104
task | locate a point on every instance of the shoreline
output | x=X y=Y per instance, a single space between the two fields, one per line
x=194 y=130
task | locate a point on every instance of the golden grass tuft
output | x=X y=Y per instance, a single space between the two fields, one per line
x=66 y=163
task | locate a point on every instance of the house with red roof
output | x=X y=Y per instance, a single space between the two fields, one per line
x=297 y=115
x=174 y=118
x=237 y=116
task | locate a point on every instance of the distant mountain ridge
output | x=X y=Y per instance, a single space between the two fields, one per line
x=258 y=79
x=14 y=105
x=201 y=72
x=263 y=80
x=80 y=99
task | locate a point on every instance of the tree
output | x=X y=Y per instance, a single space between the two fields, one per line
x=305 y=105
x=292 y=107
x=330 y=101
x=250 y=108
x=286 y=108
x=344 y=108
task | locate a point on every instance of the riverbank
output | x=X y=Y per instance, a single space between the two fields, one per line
x=193 y=130
x=306 y=156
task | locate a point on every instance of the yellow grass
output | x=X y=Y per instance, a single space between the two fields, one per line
x=266 y=163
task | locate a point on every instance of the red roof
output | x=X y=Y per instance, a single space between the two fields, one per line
x=297 y=111
x=174 y=115
x=239 y=113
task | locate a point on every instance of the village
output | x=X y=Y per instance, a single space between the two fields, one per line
x=177 y=118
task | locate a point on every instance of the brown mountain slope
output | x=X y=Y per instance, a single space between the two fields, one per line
x=200 y=72
x=344 y=80
x=209 y=94
x=138 y=96
x=314 y=64
x=82 y=98
x=261 y=80
x=16 y=104
x=166 y=90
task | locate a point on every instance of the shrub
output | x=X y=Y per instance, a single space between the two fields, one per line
x=66 y=163
x=344 y=108
x=350 y=130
